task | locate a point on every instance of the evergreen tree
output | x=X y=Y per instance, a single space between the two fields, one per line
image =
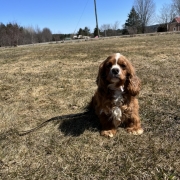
x=86 y=31
x=133 y=22
x=80 y=32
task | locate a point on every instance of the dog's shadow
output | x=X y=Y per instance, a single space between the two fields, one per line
x=71 y=124
x=78 y=123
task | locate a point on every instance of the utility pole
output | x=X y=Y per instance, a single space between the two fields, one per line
x=96 y=17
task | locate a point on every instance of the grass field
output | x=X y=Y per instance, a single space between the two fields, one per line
x=43 y=82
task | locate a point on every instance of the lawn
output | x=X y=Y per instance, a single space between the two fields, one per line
x=44 y=82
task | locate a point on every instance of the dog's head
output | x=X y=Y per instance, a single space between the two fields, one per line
x=116 y=71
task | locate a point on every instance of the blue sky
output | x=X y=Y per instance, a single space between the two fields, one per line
x=67 y=16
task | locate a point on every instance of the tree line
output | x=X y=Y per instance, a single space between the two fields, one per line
x=13 y=34
x=140 y=16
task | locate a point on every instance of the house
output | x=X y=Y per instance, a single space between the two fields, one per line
x=174 y=25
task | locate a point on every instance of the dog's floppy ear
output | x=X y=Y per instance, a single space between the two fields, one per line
x=101 y=74
x=133 y=84
x=101 y=79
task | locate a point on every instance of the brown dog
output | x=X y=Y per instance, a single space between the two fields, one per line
x=115 y=99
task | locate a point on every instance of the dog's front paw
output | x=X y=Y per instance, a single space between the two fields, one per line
x=135 y=131
x=108 y=133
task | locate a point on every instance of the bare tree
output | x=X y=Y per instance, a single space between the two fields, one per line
x=167 y=14
x=110 y=30
x=13 y=33
x=105 y=28
x=39 y=34
x=29 y=35
x=46 y=35
x=176 y=4
x=115 y=26
x=3 y=35
x=146 y=11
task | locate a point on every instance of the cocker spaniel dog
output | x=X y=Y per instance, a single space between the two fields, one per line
x=115 y=100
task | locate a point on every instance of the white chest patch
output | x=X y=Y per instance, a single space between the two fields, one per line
x=118 y=98
x=116 y=113
x=118 y=101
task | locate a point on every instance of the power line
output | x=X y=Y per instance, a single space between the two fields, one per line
x=81 y=15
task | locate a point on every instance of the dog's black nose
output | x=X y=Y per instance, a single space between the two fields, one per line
x=115 y=71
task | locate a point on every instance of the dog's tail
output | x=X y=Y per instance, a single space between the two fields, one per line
x=58 y=118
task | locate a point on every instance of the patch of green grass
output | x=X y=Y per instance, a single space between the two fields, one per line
x=38 y=83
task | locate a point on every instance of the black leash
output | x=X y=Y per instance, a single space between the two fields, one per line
x=58 y=118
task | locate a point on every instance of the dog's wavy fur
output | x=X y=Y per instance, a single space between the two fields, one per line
x=115 y=100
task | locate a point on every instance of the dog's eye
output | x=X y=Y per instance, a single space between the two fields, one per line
x=109 y=65
x=123 y=66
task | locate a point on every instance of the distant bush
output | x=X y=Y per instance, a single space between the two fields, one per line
x=125 y=32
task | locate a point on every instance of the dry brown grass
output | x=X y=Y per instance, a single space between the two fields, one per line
x=38 y=83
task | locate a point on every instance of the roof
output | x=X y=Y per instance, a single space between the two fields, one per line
x=176 y=19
